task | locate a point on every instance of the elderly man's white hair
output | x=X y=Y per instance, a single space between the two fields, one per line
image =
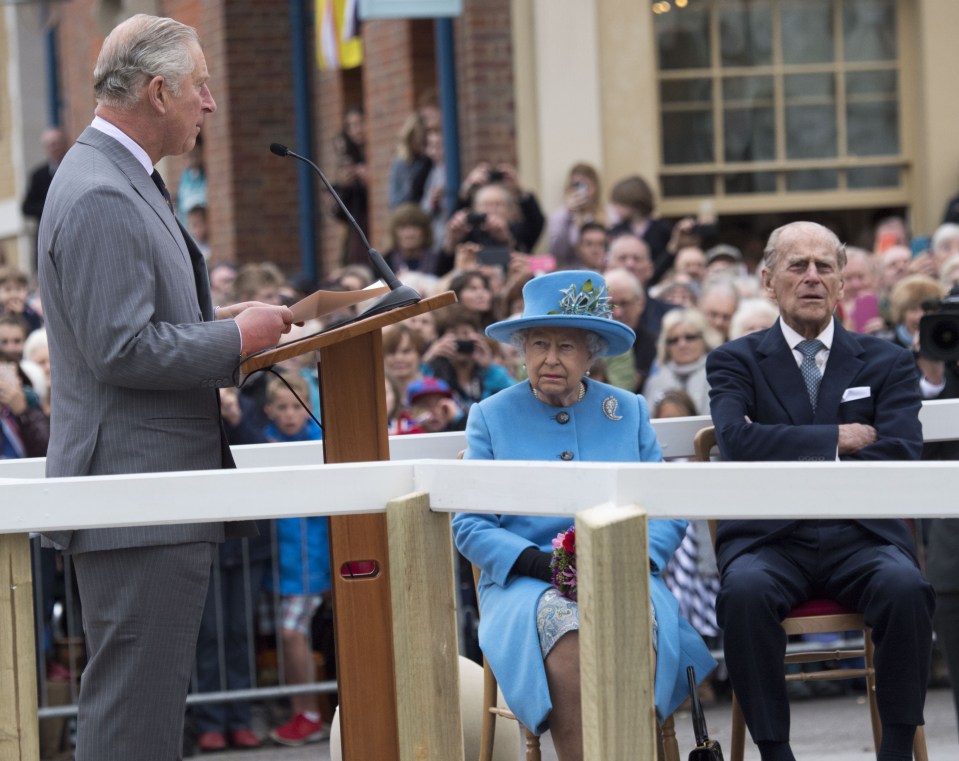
x=140 y=48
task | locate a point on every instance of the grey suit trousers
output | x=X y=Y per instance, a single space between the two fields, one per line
x=141 y=614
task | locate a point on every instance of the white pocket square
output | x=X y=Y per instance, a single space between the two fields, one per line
x=859 y=392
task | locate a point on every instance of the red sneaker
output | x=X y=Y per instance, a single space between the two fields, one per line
x=244 y=738
x=210 y=742
x=299 y=731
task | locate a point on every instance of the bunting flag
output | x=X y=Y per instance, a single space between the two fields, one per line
x=338 y=42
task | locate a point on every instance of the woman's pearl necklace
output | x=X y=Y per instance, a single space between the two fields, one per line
x=579 y=396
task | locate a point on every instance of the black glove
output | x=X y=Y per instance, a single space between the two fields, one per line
x=533 y=562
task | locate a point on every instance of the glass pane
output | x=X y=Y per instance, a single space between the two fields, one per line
x=687 y=137
x=869 y=30
x=749 y=134
x=751 y=182
x=811 y=132
x=812 y=179
x=747 y=88
x=687 y=185
x=872 y=128
x=682 y=39
x=873 y=177
x=871 y=82
x=746 y=35
x=686 y=91
x=809 y=86
x=807 y=31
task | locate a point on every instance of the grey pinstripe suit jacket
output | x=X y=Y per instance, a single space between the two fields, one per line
x=134 y=363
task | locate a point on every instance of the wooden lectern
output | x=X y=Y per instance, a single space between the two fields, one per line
x=352 y=387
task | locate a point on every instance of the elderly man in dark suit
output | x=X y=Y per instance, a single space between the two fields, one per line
x=137 y=357
x=806 y=389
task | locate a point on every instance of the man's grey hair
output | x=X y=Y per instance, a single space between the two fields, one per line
x=140 y=48
x=773 y=251
x=596 y=345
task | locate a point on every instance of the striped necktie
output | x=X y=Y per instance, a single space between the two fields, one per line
x=810 y=373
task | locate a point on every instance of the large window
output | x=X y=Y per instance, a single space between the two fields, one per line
x=779 y=97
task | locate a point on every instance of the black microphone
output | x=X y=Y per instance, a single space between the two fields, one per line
x=400 y=295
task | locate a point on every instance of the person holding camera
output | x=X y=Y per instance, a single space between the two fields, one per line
x=463 y=359
x=906 y=306
x=581 y=205
x=503 y=213
x=937 y=357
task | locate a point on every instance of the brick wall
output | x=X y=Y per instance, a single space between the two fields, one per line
x=252 y=194
x=484 y=58
x=398 y=68
x=257 y=108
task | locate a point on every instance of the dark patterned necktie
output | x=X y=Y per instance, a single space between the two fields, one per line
x=161 y=186
x=810 y=373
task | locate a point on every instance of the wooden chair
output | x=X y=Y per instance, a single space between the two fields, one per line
x=491 y=711
x=814 y=617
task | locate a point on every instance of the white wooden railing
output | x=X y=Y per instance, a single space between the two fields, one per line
x=420 y=486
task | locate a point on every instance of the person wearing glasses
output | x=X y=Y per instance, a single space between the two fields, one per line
x=685 y=340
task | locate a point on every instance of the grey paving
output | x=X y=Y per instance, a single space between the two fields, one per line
x=833 y=729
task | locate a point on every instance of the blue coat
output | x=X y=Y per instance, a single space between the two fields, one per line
x=867 y=380
x=514 y=425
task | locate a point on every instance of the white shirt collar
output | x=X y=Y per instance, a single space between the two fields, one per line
x=793 y=338
x=101 y=124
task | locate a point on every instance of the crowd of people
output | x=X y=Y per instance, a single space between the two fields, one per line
x=621 y=307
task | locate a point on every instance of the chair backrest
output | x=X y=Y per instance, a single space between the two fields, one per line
x=703 y=443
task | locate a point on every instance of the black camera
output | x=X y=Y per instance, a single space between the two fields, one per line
x=939 y=328
x=496 y=175
x=475 y=219
x=465 y=345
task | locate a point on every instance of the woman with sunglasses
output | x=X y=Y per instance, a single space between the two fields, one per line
x=684 y=341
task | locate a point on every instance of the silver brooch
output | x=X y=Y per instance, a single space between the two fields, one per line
x=609 y=408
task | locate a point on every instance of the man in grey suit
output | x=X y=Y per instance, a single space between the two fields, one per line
x=137 y=357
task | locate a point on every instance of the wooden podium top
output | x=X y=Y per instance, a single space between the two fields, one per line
x=351 y=330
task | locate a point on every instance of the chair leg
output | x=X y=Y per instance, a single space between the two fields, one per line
x=488 y=724
x=919 y=751
x=737 y=742
x=668 y=734
x=871 y=689
x=533 y=752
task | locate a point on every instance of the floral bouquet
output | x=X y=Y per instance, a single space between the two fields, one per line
x=563 y=563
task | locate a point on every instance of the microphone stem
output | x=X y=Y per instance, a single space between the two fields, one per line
x=383 y=270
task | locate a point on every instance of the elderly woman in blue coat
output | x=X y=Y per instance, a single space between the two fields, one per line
x=528 y=631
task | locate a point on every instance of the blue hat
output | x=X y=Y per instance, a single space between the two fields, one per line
x=568 y=299
x=425 y=386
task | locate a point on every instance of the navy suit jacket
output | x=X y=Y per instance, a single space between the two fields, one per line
x=757 y=377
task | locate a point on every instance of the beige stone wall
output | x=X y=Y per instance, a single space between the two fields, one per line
x=586 y=90
x=8 y=188
x=937 y=155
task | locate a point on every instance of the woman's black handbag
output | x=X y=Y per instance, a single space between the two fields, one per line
x=706 y=749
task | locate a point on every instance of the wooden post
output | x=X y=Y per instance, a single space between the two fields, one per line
x=19 y=730
x=617 y=663
x=424 y=631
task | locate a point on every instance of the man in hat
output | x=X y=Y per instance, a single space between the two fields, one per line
x=725 y=259
x=433 y=407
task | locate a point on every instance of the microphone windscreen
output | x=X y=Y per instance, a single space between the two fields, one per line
x=279 y=150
